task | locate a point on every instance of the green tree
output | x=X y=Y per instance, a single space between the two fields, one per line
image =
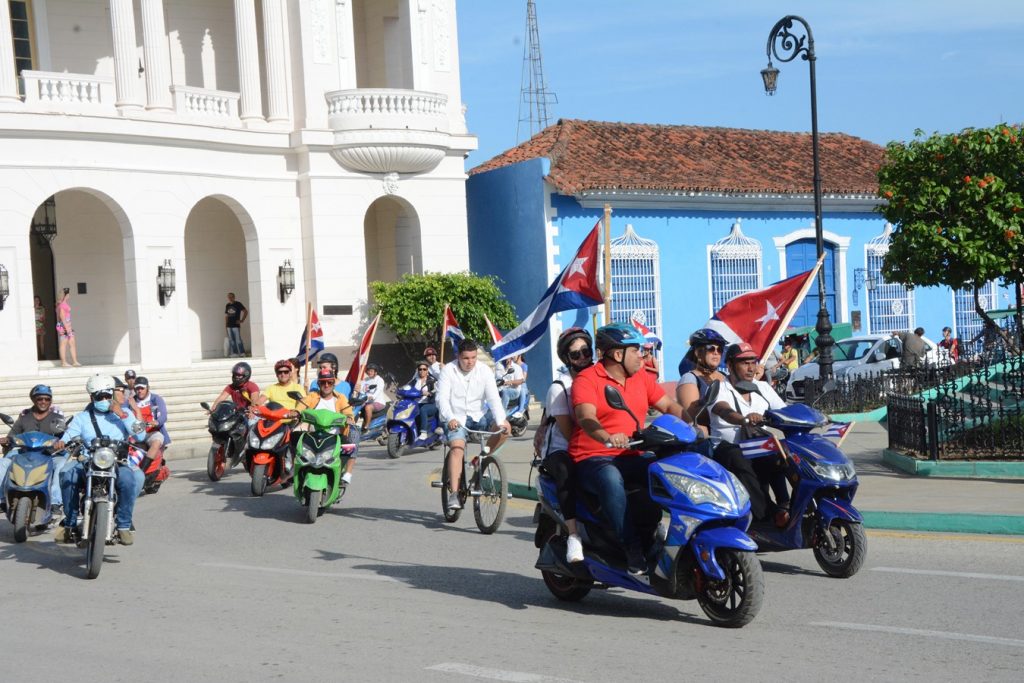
x=412 y=308
x=956 y=202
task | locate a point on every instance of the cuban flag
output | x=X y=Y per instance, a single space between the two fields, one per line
x=316 y=345
x=646 y=331
x=837 y=430
x=756 y=448
x=759 y=317
x=355 y=371
x=450 y=329
x=575 y=287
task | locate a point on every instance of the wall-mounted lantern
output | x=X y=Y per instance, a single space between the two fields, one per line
x=5 y=286
x=285 y=280
x=165 y=281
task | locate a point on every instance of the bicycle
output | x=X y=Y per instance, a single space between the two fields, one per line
x=488 y=484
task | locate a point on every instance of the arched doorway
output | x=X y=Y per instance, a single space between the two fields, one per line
x=77 y=242
x=391 y=231
x=801 y=255
x=215 y=264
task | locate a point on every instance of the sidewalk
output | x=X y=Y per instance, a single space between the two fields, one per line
x=887 y=499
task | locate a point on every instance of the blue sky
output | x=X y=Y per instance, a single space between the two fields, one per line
x=884 y=68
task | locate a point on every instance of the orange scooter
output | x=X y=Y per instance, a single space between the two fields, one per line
x=268 y=443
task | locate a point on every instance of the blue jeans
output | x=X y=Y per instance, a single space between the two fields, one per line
x=484 y=424
x=428 y=412
x=235 y=344
x=128 y=486
x=58 y=463
x=510 y=397
x=607 y=477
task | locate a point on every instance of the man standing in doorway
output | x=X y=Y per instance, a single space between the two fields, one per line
x=235 y=314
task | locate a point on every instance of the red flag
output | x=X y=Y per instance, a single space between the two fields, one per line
x=759 y=317
x=495 y=332
x=450 y=329
x=355 y=372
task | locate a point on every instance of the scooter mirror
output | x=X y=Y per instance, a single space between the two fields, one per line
x=7 y=420
x=747 y=388
x=294 y=395
x=614 y=399
x=204 y=405
x=711 y=393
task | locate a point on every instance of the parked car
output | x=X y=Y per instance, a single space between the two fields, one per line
x=855 y=356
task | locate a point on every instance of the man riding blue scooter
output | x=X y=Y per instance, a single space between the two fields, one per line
x=40 y=417
x=414 y=420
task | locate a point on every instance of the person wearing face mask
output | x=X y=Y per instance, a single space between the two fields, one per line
x=100 y=419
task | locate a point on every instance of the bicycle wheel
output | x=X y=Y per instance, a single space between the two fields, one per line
x=450 y=515
x=489 y=506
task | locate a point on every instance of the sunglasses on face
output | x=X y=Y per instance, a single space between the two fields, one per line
x=712 y=349
x=102 y=396
x=238 y=377
x=422 y=369
x=580 y=354
x=42 y=398
x=284 y=372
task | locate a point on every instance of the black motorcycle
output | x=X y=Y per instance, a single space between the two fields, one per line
x=228 y=426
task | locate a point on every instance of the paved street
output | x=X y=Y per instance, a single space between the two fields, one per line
x=222 y=586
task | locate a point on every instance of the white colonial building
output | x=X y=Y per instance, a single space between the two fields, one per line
x=228 y=141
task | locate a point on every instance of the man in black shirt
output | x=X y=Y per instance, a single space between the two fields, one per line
x=235 y=314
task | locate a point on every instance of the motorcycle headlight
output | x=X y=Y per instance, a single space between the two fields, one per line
x=308 y=455
x=103 y=458
x=404 y=412
x=271 y=441
x=325 y=457
x=700 y=491
x=825 y=470
x=254 y=439
x=742 y=495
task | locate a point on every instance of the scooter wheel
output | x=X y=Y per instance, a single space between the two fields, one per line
x=395 y=445
x=735 y=600
x=844 y=557
x=565 y=588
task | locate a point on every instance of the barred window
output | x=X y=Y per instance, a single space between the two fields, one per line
x=636 y=280
x=890 y=305
x=735 y=266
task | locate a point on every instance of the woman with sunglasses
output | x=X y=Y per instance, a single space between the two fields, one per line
x=278 y=392
x=704 y=356
x=575 y=349
x=425 y=382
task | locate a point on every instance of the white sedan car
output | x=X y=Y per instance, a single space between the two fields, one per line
x=855 y=356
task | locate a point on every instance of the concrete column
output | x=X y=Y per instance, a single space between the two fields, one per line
x=126 y=65
x=248 y=61
x=8 y=75
x=157 y=52
x=276 y=60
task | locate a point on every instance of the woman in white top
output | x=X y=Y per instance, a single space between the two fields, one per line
x=575 y=349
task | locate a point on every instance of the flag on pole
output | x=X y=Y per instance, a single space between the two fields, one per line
x=495 y=332
x=450 y=329
x=316 y=343
x=575 y=287
x=355 y=372
x=646 y=331
x=759 y=317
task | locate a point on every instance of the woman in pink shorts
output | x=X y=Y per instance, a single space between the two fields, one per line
x=66 y=333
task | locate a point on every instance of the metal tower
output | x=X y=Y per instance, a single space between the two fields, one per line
x=534 y=95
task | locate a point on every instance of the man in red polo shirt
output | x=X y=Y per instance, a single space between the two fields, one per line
x=600 y=440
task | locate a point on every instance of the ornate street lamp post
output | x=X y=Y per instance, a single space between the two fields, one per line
x=786 y=46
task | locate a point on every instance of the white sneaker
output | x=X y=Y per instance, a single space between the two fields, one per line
x=573 y=549
x=346 y=478
x=439 y=431
x=453 y=501
x=422 y=436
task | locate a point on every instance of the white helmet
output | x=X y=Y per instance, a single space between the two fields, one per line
x=100 y=383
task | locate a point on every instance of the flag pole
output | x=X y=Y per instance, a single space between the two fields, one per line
x=792 y=309
x=309 y=342
x=362 y=368
x=607 y=265
x=444 y=332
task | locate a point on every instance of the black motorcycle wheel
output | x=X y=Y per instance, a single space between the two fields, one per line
x=850 y=552
x=98 y=527
x=259 y=480
x=395 y=445
x=489 y=506
x=518 y=428
x=313 y=505
x=450 y=515
x=736 y=600
x=215 y=462
x=565 y=588
x=22 y=514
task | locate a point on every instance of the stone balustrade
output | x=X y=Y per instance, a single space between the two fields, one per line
x=45 y=90
x=209 y=104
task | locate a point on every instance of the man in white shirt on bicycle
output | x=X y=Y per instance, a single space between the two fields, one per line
x=467 y=399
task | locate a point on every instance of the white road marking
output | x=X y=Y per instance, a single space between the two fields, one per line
x=185 y=473
x=945 y=635
x=937 y=572
x=300 y=572
x=496 y=674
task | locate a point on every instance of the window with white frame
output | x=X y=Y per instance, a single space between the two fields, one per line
x=636 y=280
x=734 y=263
x=967 y=323
x=890 y=304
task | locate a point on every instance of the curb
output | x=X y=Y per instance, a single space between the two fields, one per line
x=900 y=521
x=876 y=415
x=961 y=469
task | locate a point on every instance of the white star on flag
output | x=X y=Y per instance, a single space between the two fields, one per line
x=769 y=315
x=577 y=267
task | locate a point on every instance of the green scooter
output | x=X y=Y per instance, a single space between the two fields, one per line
x=320 y=458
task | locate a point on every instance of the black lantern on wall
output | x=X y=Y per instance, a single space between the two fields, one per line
x=165 y=281
x=45 y=229
x=5 y=286
x=862 y=279
x=285 y=280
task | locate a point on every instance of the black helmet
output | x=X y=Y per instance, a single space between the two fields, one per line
x=374 y=367
x=240 y=374
x=617 y=336
x=329 y=358
x=706 y=337
x=566 y=339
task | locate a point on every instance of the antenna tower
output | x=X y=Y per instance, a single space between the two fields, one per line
x=534 y=95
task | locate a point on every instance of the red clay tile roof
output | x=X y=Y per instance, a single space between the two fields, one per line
x=598 y=155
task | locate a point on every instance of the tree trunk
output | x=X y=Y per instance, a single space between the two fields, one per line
x=1011 y=346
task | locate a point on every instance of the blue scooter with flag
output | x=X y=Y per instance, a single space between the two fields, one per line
x=701 y=552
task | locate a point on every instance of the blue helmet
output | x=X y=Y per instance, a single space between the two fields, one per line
x=617 y=336
x=707 y=337
x=40 y=390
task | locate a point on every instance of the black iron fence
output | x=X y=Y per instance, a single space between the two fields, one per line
x=978 y=414
x=864 y=392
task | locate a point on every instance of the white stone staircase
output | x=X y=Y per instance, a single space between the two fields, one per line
x=181 y=388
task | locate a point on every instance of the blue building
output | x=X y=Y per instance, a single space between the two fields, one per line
x=700 y=215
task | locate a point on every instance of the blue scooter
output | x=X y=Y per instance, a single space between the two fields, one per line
x=702 y=554
x=402 y=424
x=26 y=487
x=822 y=516
x=375 y=431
